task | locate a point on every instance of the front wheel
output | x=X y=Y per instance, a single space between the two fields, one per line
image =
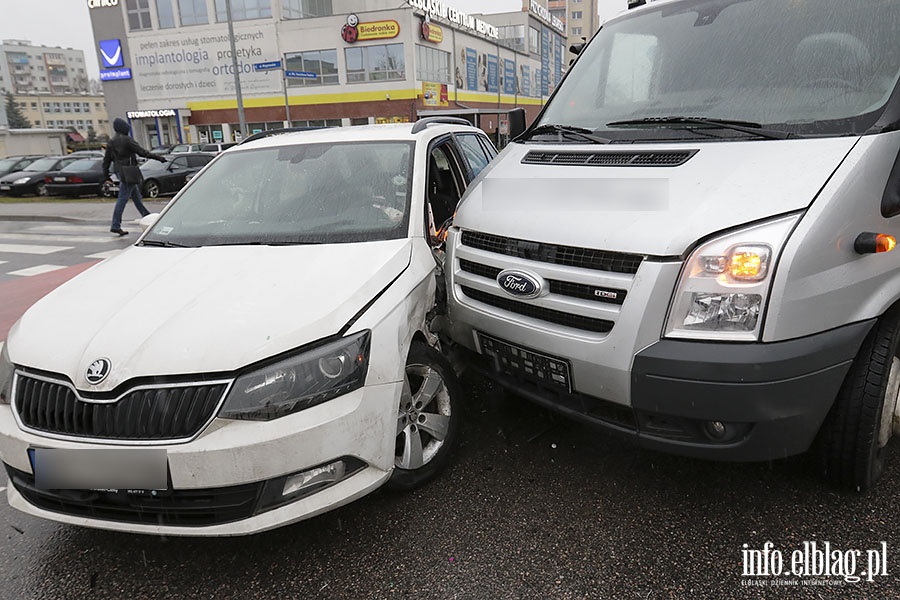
x=151 y=189
x=428 y=418
x=40 y=189
x=865 y=414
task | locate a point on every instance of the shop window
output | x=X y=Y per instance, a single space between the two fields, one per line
x=192 y=12
x=138 y=14
x=321 y=62
x=375 y=63
x=432 y=64
x=305 y=9
x=244 y=10
x=359 y=121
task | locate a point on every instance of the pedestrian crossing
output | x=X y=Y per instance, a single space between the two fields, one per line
x=29 y=249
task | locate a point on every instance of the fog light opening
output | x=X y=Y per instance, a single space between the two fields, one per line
x=314 y=478
x=716 y=430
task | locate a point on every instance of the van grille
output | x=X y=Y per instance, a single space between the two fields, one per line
x=609 y=159
x=584 y=258
x=163 y=413
x=540 y=313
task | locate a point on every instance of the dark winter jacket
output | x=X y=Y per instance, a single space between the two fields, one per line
x=123 y=150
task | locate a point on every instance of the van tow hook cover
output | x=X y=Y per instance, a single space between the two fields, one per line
x=520 y=284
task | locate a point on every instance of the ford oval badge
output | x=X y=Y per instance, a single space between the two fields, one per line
x=98 y=370
x=519 y=284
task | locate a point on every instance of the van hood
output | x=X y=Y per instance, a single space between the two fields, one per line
x=169 y=311
x=653 y=210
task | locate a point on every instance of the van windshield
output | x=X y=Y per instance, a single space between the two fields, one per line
x=813 y=67
x=299 y=194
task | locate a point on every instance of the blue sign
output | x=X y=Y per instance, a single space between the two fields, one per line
x=545 y=61
x=471 y=69
x=300 y=74
x=526 y=80
x=115 y=74
x=111 y=54
x=557 y=61
x=267 y=66
x=509 y=77
x=493 y=74
x=217 y=135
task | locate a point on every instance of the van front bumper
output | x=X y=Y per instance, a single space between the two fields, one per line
x=720 y=401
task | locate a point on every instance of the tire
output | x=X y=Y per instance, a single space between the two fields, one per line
x=40 y=189
x=151 y=188
x=430 y=408
x=861 y=422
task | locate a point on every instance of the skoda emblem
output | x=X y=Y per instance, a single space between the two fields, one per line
x=98 y=370
x=519 y=284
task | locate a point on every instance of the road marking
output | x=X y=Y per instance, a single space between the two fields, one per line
x=27 y=249
x=66 y=228
x=104 y=255
x=2 y=262
x=38 y=270
x=66 y=239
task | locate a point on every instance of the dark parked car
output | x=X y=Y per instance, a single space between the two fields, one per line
x=170 y=176
x=11 y=164
x=217 y=147
x=84 y=176
x=30 y=180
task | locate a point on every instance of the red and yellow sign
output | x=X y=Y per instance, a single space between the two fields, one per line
x=378 y=30
x=435 y=94
x=432 y=33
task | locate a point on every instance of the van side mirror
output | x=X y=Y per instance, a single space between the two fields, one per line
x=516 y=122
x=577 y=48
x=148 y=221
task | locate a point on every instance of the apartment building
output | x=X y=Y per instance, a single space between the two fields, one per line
x=27 y=68
x=62 y=111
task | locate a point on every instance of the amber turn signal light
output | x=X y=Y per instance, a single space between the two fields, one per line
x=871 y=243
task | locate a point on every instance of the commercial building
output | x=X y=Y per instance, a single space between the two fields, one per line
x=81 y=111
x=581 y=17
x=26 y=68
x=167 y=64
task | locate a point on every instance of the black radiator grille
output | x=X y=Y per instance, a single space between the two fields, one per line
x=540 y=313
x=570 y=256
x=563 y=288
x=147 y=414
x=610 y=159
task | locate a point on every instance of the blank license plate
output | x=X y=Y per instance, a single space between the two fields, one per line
x=99 y=469
x=4 y=188
x=527 y=364
x=59 y=179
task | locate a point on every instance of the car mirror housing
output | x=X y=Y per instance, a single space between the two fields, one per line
x=148 y=221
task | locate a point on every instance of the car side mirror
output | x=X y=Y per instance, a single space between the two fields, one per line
x=148 y=221
x=516 y=122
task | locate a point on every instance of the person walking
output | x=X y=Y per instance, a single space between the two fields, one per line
x=123 y=150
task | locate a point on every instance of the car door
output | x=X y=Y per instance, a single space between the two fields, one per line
x=446 y=180
x=175 y=175
x=477 y=150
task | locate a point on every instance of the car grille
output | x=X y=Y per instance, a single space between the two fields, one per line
x=610 y=159
x=184 y=508
x=586 y=288
x=151 y=414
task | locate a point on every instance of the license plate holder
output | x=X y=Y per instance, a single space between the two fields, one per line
x=4 y=188
x=134 y=470
x=543 y=369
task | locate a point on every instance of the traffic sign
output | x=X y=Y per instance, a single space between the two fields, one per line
x=300 y=74
x=267 y=66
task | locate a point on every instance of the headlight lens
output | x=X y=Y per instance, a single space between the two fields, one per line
x=301 y=381
x=6 y=376
x=21 y=180
x=725 y=284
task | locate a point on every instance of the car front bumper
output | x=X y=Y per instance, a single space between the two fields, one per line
x=242 y=460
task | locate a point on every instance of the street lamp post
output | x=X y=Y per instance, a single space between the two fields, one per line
x=237 y=73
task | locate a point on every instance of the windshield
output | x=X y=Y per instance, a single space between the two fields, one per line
x=82 y=165
x=805 y=66
x=300 y=194
x=43 y=164
x=8 y=163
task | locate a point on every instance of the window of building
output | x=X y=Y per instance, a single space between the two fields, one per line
x=243 y=10
x=321 y=62
x=138 y=14
x=34 y=105
x=576 y=14
x=375 y=63
x=86 y=106
x=534 y=40
x=193 y=12
x=165 y=15
x=576 y=30
x=512 y=36
x=37 y=123
x=432 y=64
x=317 y=123
x=359 y=121
x=305 y=9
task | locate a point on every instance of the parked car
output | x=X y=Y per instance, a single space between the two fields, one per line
x=237 y=404
x=11 y=164
x=182 y=148
x=216 y=148
x=30 y=180
x=163 y=149
x=82 y=177
x=170 y=176
x=87 y=153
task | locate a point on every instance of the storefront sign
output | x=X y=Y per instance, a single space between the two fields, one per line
x=102 y=3
x=435 y=94
x=150 y=114
x=431 y=32
x=115 y=74
x=544 y=13
x=111 y=54
x=437 y=9
x=354 y=31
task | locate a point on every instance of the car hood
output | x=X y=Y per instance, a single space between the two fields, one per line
x=9 y=178
x=652 y=210
x=168 y=311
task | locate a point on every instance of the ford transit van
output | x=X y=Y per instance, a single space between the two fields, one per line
x=692 y=244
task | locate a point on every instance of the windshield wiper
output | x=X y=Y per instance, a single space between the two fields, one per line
x=569 y=131
x=161 y=244
x=743 y=126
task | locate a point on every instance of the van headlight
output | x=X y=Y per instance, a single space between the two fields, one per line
x=6 y=376
x=300 y=381
x=725 y=284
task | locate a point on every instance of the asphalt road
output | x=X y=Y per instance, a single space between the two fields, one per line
x=533 y=506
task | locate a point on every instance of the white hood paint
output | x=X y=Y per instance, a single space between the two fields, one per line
x=169 y=311
x=659 y=211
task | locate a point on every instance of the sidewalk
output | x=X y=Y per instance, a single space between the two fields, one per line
x=88 y=212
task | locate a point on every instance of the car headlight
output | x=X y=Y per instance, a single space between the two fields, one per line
x=21 y=180
x=300 y=381
x=725 y=284
x=6 y=376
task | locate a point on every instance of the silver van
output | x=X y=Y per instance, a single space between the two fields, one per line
x=691 y=245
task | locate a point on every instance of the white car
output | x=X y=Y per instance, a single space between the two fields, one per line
x=262 y=354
